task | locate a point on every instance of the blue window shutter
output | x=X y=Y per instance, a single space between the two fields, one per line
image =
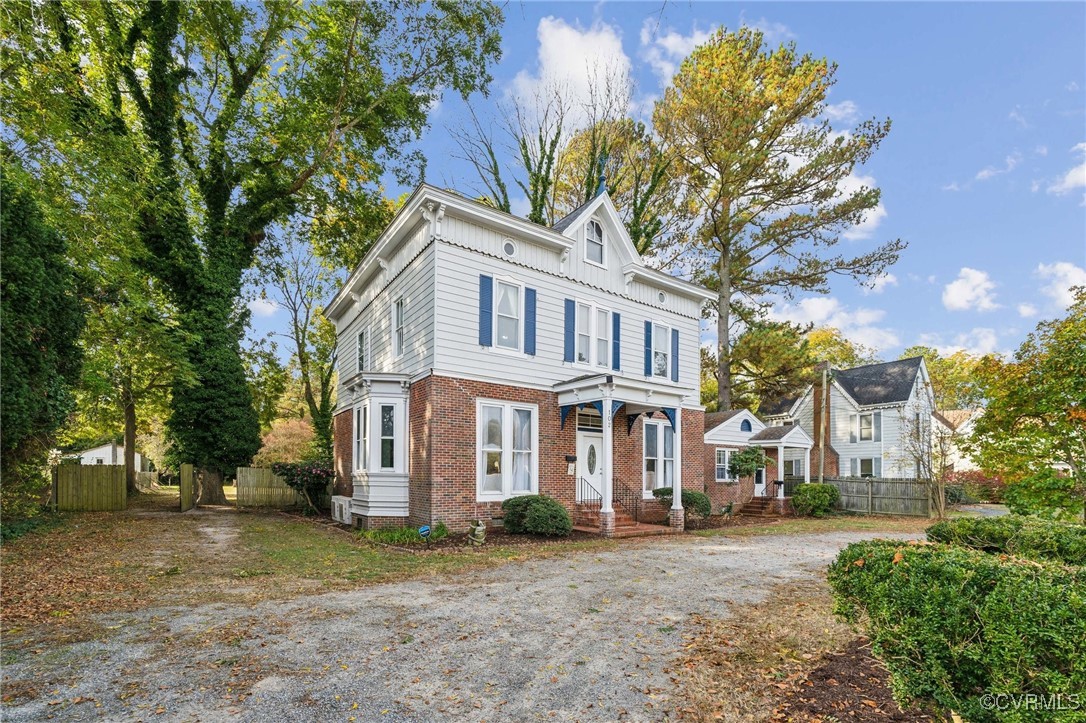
x=571 y=319
x=486 y=310
x=674 y=355
x=529 y=321
x=616 y=341
x=877 y=424
x=648 y=348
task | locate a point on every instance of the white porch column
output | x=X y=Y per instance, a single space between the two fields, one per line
x=607 y=512
x=807 y=468
x=677 y=488
x=780 y=471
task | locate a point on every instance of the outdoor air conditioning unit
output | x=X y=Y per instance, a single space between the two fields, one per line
x=341 y=509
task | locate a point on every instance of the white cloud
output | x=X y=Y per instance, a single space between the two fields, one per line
x=1010 y=163
x=665 y=51
x=1057 y=280
x=931 y=279
x=573 y=59
x=971 y=290
x=1016 y=116
x=979 y=341
x=774 y=33
x=952 y=186
x=844 y=112
x=520 y=206
x=1073 y=179
x=263 y=308
x=1027 y=310
x=851 y=184
x=855 y=324
x=1041 y=150
x=879 y=284
x=1072 y=86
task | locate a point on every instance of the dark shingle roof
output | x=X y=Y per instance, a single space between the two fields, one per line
x=569 y=218
x=771 y=433
x=715 y=419
x=884 y=383
x=778 y=406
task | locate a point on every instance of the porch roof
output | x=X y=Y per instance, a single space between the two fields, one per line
x=637 y=395
x=788 y=436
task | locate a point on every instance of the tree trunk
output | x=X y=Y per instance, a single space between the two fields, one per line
x=210 y=484
x=130 y=446
x=724 y=345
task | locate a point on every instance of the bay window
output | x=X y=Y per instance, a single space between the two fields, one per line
x=507 y=445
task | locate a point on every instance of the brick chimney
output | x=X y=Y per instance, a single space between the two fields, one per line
x=820 y=435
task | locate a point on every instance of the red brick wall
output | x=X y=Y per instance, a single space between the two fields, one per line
x=721 y=494
x=693 y=427
x=832 y=457
x=451 y=472
x=343 y=452
x=420 y=413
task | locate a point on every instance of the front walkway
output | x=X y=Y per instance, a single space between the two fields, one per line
x=579 y=637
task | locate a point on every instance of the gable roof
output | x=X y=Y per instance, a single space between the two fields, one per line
x=954 y=418
x=777 y=407
x=567 y=220
x=885 y=383
x=715 y=419
x=791 y=435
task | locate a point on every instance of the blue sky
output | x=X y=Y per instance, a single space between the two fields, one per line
x=984 y=172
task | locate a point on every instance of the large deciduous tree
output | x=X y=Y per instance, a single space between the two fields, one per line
x=243 y=114
x=1035 y=418
x=767 y=176
x=954 y=383
x=41 y=317
x=828 y=344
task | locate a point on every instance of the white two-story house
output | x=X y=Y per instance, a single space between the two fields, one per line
x=877 y=422
x=482 y=356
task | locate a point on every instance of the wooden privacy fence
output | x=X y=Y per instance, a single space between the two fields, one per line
x=146 y=481
x=89 y=487
x=873 y=496
x=259 y=487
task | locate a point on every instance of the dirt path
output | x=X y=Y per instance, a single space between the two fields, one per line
x=583 y=637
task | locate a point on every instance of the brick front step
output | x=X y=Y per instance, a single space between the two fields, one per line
x=634 y=530
x=765 y=507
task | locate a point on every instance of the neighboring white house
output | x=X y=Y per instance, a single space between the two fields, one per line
x=111 y=453
x=873 y=412
x=729 y=432
x=482 y=356
x=954 y=425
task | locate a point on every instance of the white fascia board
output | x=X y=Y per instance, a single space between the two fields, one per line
x=672 y=283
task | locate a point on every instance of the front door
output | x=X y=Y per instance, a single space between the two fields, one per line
x=759 y=483
x=589 y=466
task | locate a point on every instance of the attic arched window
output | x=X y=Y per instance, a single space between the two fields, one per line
x=744 y=426
x=593 y=242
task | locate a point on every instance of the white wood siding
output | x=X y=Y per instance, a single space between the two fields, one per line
x=410 y=274
x=457 y=325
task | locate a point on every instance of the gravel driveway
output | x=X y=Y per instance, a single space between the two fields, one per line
x=579 y=637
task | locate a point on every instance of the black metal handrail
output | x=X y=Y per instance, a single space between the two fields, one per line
x=588 y=494
x=627 y=498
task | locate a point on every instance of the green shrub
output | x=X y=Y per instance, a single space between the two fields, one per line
x=954 y=494
x=405 y=535
x=1015 y=535
x=954 y=625
x=537 y=515
x=814 y=500
x=693 y=501
x=310 y=479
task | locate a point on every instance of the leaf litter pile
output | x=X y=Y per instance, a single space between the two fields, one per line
x=785 y=658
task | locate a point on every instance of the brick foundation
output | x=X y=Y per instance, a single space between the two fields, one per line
x=676 y=518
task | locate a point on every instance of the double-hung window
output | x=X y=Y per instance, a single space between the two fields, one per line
x=361 y=437
x=793 y=468
x=659 y=456
x=661 y=350
x=507 y=320
x=593 y=335
x=388 y=437
x=722 y=474
x=593 y=242
x=398 y=327
x=507 y=443
x=363 y=349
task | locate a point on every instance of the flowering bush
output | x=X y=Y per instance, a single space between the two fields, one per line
x=310 y=479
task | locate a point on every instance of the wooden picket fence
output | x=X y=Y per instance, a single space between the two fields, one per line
x=871 y=496
x=89 y=487
x=146 y=481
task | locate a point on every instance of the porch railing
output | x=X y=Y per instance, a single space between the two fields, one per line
x=628 y=499
x=587 y=494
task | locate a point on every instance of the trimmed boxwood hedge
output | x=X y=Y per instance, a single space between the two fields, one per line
x=814 y=500
x=956 y=625
x=693 y=501
x=1015 y=535
x=537 y=515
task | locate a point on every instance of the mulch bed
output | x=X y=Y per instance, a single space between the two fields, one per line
x=851 y=685
x=716 y=522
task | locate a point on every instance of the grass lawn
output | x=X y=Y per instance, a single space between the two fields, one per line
x=835 y=523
